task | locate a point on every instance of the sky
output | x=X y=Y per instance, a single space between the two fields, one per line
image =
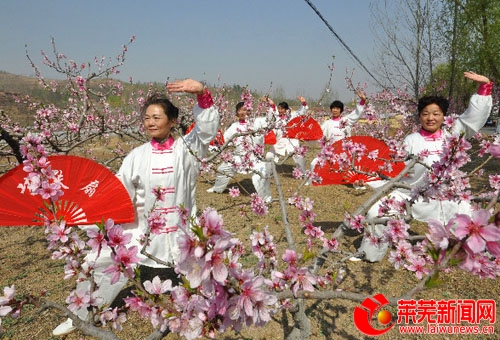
x=262 y=44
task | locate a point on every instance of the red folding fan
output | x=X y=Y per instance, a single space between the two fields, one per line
x=304 y=128
x=331 y=173
x=270 y=138
x=91 y=193
x=219 y=137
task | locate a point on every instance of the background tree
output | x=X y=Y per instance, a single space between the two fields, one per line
x=472 y=35
x=408 y=43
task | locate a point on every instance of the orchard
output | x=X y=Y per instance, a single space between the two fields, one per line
x=289 y=266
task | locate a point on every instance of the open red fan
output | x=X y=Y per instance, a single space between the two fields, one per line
x=270 y=138
x=219 y=137
x=91 y=193
x=304 y=128
x=331 y=174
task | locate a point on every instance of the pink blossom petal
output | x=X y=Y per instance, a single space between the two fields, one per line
x=476 y=243
x=493 y=248
x=220 y=273
x=4 y=310
x=490 y=233
x=495 y=150
x=481 y=217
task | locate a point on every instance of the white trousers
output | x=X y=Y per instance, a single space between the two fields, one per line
x=442 y=211
x=261 y=184
x=107 y=291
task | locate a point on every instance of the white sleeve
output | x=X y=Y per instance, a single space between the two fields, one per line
x=134 y=167
x=126 y=174
x=300 y=112
x=476 y=115
x=204 y=131
x=231 y=130
x=259 y=123
x=353 y=117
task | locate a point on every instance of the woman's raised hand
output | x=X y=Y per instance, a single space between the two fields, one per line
x=476 y=77
x=361 y=95
x=186 y=85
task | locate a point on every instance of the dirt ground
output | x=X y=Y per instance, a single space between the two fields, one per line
x=25 y=262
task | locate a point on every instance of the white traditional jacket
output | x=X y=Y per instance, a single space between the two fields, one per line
x=337 y=129
x=285 y=145
x=469 y=123
x=174 y=167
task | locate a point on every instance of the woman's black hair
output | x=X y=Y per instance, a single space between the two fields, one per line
x=338 y=104
x=284 y=105
x=239 y=106
x=440 y=101
x=170 y=109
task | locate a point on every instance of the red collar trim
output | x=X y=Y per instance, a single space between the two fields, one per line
x=162 y=146
x=432 y=136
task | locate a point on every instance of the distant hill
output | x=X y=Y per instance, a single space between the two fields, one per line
x=16 y=84
x=19 y=86
x=12 y=85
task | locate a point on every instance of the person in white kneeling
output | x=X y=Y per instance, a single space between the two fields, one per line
x=428 y=143
x=243 y=159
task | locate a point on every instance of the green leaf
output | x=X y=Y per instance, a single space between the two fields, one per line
x=433 y=253
x=307 y=255
x=434 y=281
x=198 y=231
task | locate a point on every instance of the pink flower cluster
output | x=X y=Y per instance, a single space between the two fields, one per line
x=5 y=304
x=471 y=241
x=218 y=294
x=446 y=180
x=41 y=179
x=258 y=205
x=265 y=249
x=306 y=219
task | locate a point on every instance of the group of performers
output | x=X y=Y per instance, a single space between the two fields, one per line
x=278 y=117
x=173 y=165
x=426 y=143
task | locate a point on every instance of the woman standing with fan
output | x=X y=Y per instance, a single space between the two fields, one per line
x=339 y=127
x=166 y=164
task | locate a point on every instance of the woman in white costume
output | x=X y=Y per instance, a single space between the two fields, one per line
x=339 y=127
x=431 y=113
x=163 y=162
x=243 y=147
x=279 y=116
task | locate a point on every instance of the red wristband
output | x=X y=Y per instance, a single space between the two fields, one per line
x=304 y=103
x=485 y=89
x=205 y=100
x=362 y=102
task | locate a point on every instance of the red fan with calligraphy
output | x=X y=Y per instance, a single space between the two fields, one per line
x=376 y=158
x=304 y=128
x=92 y=193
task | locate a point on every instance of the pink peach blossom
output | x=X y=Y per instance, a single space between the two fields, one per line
x=476 y=229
